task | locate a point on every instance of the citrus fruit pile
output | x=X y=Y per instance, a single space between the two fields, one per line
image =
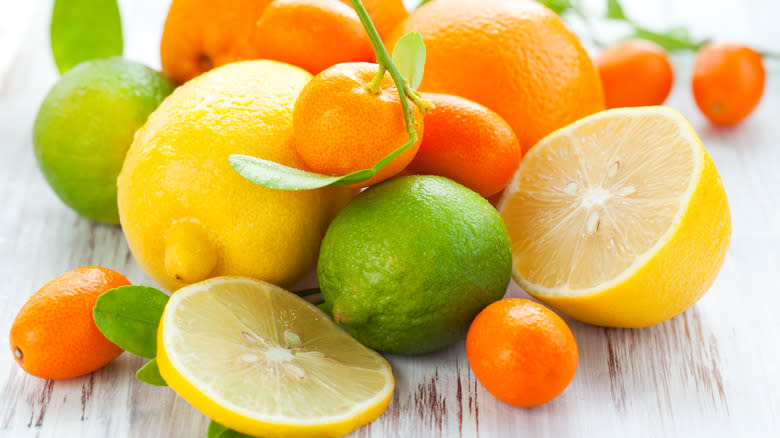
x=376 y=171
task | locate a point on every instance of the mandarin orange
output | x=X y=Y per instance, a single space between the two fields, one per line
x=312 y=34
x=728 y=82
x=340 y=126
x=522 y=352
x=515 y=57
x=635 y=73
x=54 y=335
x=468 y=143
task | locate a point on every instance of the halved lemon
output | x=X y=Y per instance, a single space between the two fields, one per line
x=262 y=361
x=619 y=219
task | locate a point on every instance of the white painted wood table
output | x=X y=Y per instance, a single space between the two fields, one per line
x=713 y=371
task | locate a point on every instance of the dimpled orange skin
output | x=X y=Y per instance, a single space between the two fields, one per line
x=468 y=143
x=728 y=82
x=312 y=34
x=54 y=332
x=202 y=34
x=522 y=352
x=515 y=57
x=340 y=127
x=635 y=73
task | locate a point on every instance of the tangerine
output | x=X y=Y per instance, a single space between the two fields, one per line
x=635 y=73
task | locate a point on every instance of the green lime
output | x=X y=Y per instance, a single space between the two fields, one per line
x=85 y=126
x=409 y=263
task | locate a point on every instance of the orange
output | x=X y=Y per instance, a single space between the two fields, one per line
x=515 y=57
x=385 y=14
x=728 y=81
x=522 y=352
x=313 y=34
x=54 y=335
x=635 y=73
x=339 y=126
x=468 y=143
x=202 y=34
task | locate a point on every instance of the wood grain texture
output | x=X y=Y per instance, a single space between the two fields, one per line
x=713 y=371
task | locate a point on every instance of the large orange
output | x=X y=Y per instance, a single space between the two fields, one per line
x=202 y=34
x=515 y=57
x=339 y=126
x=54 y=335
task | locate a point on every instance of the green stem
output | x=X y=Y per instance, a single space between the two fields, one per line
x=376 y=85
x=385 y=61
x=770 y=55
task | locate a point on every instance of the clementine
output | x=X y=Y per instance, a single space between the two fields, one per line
x=313 y=34
x=54 y=335
x=522 y=352
x=340 y=126
x=468 y=143
x=635 y=73
x=728 y=82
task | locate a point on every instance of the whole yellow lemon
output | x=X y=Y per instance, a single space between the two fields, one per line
x=187 y=215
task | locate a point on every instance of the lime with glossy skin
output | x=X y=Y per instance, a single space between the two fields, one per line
x=86 y=124
x=409 y=263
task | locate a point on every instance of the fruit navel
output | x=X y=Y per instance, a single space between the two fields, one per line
x=190 y=255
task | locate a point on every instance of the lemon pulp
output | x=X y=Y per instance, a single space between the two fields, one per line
x=263 y=361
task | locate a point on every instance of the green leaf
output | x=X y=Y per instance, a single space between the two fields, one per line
x=558 y=6
x=277 y=176
x=129 y=315
x=423 y=2
x=615 y=11
x=217 y=430
x=671 y=40
x=84 y=29
x=150 y=374
x=409 y=57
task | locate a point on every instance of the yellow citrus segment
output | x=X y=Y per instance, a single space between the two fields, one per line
x=262 y=361
x=619 y=219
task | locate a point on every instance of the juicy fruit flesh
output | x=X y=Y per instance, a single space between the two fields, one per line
x=265 y=354
x=603 y=200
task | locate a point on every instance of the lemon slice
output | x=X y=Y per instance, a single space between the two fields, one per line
x=262 y=361
x=619 y=219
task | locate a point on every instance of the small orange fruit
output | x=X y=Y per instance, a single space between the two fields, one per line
x=635 y=73
x=339 y=126
x=522 y=352
x=313 y=34
x=54 y=335
x=728 y=81
x=468 y=143
x=202 y=34
x=515 y=57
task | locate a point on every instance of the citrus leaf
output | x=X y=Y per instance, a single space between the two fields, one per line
x=149 y=373
x=672 y=40
x=615 y=11
x=217 y=430
x=558 y=6
x=129 y=315
x=84 y=29
x=409 y=57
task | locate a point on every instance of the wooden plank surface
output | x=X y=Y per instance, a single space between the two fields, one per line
x=713 y=371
